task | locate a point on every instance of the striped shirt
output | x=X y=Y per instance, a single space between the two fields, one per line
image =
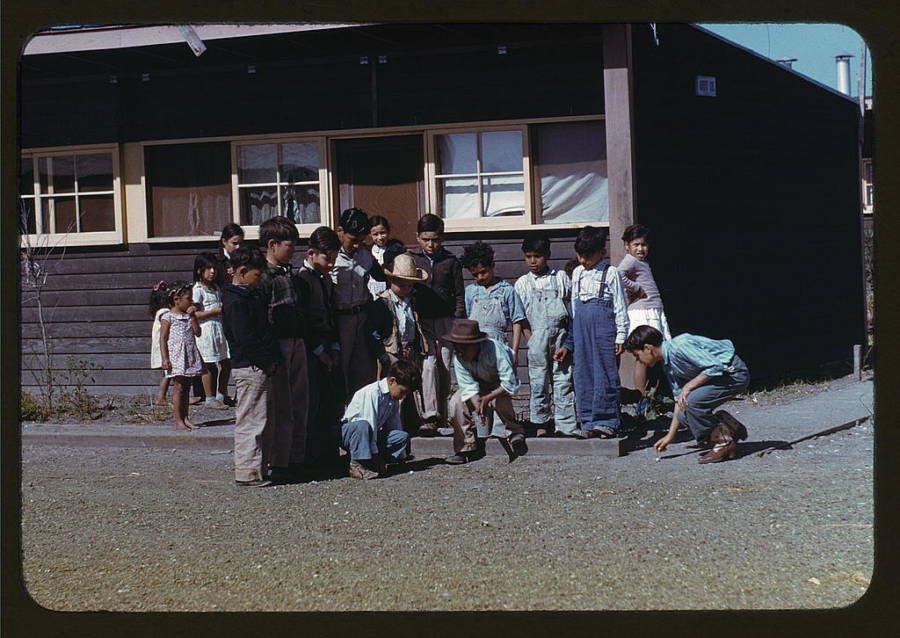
x=586 y=286
x=551 y=280
x=687 y=355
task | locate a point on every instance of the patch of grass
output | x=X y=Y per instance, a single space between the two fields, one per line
x=32 y=409
x=143 y=410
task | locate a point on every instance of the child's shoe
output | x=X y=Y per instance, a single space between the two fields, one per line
x=359 y=471
x=254 y=483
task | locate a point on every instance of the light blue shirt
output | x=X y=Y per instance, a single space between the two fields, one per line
x=374 y=405
x=492 y=367
x=503 y=290
x=586 y=286
x=687 y=355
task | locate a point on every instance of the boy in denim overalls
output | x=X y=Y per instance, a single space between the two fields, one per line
x=599 y=328
x=545 y=294
x=494 y=304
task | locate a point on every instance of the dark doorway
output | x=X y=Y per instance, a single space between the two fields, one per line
x=384 y=176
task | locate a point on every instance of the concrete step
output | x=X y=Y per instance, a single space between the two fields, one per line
x=221 y=438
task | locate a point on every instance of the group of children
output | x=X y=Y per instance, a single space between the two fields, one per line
x=354 y=347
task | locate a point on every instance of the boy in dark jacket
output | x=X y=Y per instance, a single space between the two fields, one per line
x=254 y=358
x=440 y=299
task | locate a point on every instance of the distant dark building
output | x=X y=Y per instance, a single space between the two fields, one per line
x=135 y=153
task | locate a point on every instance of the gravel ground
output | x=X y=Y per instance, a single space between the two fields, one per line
x=161 y=530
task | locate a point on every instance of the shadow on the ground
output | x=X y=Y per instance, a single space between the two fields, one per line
x=417 y=465
x=214 y=422
x=746 y=448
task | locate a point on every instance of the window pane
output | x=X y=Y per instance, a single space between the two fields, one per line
x=26 y=175
x=300 y=162
x=459 y=198
x=300 y=204
x=571 y=165
x=503 y=195
x=95 y=172
x=501 y=151
x=456 y=153
x=58 y=173
x=27 y=220
x=63 y=208
x=258 y=204
x=98 y=213
x=256 y=164
x=188 y=188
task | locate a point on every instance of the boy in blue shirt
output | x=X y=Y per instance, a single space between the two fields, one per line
x=486 y=380
x=371 y=430
x=494 y=304
x=704 y=373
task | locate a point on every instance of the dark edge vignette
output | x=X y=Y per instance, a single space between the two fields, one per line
x=874 y=614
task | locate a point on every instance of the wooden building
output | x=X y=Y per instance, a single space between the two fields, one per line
x=136 y=151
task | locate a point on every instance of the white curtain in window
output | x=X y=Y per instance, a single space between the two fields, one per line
x=571 y=159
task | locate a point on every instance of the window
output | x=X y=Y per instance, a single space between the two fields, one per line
x=868 y=187
x=282 y=178
x=71 y=195
x=570 y=160
x=188 y=188
x=480 y=174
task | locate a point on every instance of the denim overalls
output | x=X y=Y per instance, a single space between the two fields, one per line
x=596 y=368
x=487 y=310
x=549 y=319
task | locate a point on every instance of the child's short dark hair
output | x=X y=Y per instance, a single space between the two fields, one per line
x=591 y=240
x=477 y=254
x=430 y=224
x=406 y=373
x=249 y=257
x=635 y=231
x=641 y=336
x=324 y=240
x=174 y=289
x=231 y=230
x=570 y=267
x=539 y=244
x=159 y=296
x=355 y=222
x=204 y=261
x=277 y=229
x=378 y=220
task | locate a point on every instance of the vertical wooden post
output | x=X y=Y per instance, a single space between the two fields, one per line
x=617 y=92
x=617 y=95
x=857 y=361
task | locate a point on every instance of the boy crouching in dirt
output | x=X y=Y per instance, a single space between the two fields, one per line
x=704 y=373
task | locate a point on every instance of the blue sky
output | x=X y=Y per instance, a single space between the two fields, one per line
x=814 y=46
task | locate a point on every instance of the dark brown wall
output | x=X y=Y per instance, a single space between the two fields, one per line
x=753 y=200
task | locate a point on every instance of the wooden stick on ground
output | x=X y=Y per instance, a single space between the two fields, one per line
x=832 y=430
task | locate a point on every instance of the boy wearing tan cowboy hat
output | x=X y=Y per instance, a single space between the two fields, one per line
x=486 y=380
x=398 y=328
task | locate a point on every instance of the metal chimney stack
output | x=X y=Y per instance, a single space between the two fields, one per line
x=843 y=72
x=787 y=62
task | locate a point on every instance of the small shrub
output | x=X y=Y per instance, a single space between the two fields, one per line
x=32 y=408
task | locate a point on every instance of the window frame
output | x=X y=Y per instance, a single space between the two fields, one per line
x=41 y=239
x=325 y=203
x=328 y=194
x=479 y=223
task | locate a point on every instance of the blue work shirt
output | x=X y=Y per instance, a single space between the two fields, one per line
x=503 y=290
x=687 y=355
x=492 y=367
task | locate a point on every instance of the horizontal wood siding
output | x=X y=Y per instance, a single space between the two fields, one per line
x=95 y=304
x=752 y=198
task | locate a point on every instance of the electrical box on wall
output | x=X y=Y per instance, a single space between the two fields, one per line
x=705 y=85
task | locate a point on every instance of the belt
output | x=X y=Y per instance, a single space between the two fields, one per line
x=355 y=310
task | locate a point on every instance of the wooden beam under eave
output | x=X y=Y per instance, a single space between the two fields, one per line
x=617 y=91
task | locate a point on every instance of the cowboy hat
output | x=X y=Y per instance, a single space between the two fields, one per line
x=465 y=331
x=404 y=269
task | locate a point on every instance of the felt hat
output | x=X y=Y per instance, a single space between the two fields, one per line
x=404 y=269
x=465 y=331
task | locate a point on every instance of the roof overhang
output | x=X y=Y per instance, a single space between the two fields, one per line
x=121 y=37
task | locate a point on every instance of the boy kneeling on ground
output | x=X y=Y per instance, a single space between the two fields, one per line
x=486 y=378
x=371 y=430
x=704 y=373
